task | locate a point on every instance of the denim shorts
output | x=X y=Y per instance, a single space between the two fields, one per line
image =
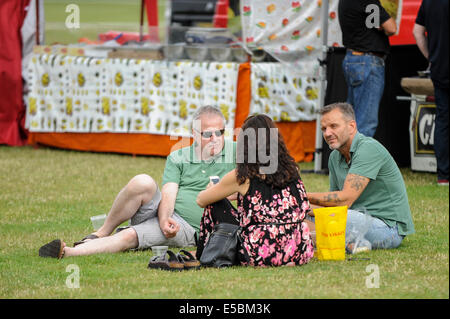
x=146 y=225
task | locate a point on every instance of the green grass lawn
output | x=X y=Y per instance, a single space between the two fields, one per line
x=47 y=194
x=95 y=17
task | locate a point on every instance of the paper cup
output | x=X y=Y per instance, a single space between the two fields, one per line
x=159 y=250
x=98 y=221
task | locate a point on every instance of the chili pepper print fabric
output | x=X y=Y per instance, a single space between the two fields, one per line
x=289 y=30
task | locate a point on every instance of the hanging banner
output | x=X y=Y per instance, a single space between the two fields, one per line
x=291 y=31
x=283 y=94
x=85 y=94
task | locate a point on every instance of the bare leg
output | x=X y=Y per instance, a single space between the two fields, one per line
x=121 y=241
x=139 y=190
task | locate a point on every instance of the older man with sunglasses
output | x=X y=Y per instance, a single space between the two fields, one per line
x=167 y=217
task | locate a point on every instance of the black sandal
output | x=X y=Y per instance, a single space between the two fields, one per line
x=85 y=239
x=54 y=249
x=162 y=262
x=188 y=259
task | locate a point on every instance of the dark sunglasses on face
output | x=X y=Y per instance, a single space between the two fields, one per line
x=208 y=134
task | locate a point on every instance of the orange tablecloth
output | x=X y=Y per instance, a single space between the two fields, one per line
x=299 y=136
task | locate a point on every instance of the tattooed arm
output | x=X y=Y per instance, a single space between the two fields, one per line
x=354 y=185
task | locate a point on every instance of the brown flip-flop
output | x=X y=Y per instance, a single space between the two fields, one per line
x=85 y=239
x=54 y=249
x=190 y=262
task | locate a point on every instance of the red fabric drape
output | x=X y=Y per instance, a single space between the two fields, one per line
x=12 y=108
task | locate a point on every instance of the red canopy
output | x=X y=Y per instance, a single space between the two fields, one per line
x=12 y=108
x=409 y=14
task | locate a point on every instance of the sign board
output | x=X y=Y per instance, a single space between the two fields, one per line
x=422 y=135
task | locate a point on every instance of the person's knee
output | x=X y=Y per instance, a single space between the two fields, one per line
x=391 y=242
x=142 y=184
x=129 y=238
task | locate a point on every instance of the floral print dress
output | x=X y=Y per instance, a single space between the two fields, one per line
x=272 y=220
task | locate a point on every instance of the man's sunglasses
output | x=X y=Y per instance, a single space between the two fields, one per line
x=208 y=134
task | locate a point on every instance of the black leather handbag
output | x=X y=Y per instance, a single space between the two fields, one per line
x=222 y=246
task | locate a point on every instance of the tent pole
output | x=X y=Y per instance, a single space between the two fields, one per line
x=141 y=23
x=37 y=23
x=323 y=87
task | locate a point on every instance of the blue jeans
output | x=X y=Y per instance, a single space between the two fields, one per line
x=364 y=75
x=376 y=234
x=441 y=132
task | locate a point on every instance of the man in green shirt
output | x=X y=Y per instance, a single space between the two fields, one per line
x=189 y=174
x=170 y=216
x=365 y=178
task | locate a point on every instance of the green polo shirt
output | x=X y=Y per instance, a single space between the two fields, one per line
x=385 y=196
x=192 y=175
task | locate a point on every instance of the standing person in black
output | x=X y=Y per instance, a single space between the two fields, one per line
x=366 y=27
x=431 y=33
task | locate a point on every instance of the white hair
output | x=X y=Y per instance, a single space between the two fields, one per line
x=210 y=110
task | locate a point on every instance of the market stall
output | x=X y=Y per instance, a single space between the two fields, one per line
x=99 y=98
x=123 y=103
x=146 y=106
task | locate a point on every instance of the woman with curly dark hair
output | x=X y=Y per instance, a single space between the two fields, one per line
x=271 y=202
